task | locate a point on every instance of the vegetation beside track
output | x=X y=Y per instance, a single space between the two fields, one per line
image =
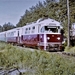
x=36 y=62
x=69 y=49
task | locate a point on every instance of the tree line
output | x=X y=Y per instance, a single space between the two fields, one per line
x=7 y=26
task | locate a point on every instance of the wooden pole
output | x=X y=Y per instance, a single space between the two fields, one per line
x=68 y=23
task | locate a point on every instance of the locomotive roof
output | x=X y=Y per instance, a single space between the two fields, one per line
x=49 y=21
x=45 y=21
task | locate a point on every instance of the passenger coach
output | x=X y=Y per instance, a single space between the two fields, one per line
x=13 y=35
x=3 y=36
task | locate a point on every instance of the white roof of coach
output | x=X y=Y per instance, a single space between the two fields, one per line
x=2 y=32
x=13 y=29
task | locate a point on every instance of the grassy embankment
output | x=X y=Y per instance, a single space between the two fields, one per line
x=36 y=62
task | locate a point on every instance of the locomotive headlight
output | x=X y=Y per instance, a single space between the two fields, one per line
x=58 y=38
x=48 y=38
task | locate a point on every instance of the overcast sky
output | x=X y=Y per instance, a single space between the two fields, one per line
x=12 y=10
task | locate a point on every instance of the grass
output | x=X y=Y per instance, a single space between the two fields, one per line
x=36 y=62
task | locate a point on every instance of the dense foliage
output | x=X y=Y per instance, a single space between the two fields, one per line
x=35 y=62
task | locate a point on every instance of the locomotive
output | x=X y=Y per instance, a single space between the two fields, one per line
x=44 y=34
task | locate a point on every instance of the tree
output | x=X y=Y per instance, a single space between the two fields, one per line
x=1 y=28
x=8 y=26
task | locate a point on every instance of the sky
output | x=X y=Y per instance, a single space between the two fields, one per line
x=12 y=10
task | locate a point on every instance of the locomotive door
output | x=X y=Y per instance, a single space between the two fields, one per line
x=42 y=37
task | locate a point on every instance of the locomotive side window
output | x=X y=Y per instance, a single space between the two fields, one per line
x=42 y=29
x=26 y=30
x=29 y=30
x=33 y=29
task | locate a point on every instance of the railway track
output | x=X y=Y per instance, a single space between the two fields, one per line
x=67 y=53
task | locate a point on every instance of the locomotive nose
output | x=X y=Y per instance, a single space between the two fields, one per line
x=53 y=42
x=53 y=38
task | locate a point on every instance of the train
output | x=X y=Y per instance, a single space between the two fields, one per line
x=44 y=34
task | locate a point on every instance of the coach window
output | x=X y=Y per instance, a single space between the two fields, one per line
x=9 y=34
x=12 y=33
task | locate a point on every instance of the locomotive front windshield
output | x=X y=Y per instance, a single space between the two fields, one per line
x=49 y=29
